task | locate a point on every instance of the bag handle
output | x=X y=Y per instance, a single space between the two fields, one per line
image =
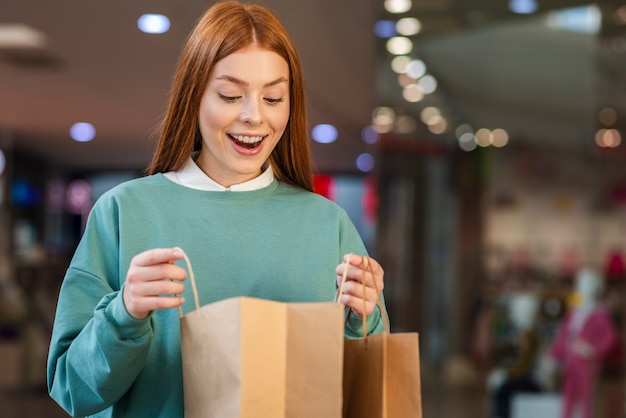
x=379 y=302
x=192 y=277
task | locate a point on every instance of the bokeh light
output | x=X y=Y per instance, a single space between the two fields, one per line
x=369 y=135
x=365 y=162
x=385 y=29
x=408 y=26
x=398 y=6
x=523 y=6
x=608 y=138
x=153 y=23
x=324 y=133
x=399 y=45
x=608 y=116
x=82 y=132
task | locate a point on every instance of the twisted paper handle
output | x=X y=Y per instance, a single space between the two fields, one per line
x=192 y=277
x=378 y=301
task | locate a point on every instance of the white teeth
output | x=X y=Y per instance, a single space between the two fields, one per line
x=248 y=139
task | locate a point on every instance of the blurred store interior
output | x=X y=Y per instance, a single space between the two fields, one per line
x=476 y=144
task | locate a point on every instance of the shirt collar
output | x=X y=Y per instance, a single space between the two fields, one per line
x=193 y=177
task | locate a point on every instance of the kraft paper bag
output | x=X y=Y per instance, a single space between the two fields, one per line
x=382 y=374
x=253 y=358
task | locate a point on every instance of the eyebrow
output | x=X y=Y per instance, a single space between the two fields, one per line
x=244 y=83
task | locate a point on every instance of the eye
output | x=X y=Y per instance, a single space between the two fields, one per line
x=228 y=99
x=274 y=101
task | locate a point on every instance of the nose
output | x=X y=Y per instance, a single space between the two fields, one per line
x=251 y=112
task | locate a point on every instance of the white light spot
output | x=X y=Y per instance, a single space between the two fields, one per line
x=398 y=6
x=153 y=23
x=428 y=83
x=400 y=64
x=399 y=45
x=82 y=132
x=412 y=93
x=408 y=26
x=324 y=133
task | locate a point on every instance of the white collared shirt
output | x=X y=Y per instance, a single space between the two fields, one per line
x=193 y=177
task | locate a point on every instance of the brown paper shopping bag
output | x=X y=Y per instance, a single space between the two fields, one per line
x=249 y=357
x=382 y=374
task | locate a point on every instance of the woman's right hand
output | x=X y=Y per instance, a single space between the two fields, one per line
x=152 y=280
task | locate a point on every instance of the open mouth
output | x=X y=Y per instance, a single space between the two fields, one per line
x=248 y=142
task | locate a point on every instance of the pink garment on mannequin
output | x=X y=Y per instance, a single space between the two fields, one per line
x=580 y=372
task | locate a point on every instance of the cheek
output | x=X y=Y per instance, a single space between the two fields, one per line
x=211 y=116
x=281 y=119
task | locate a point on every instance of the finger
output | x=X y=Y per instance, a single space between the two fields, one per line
x=352 y=269
x=154 y=288
x=155 y=272
x=357 y=306
x=353 y=288
x=361 y=272
x=157 y=256
x=141 y=307
x=374 y=273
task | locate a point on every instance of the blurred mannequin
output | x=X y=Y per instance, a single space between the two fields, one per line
x=584 y=337
x=504 y=383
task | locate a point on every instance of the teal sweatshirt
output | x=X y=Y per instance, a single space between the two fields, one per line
x=280 y=243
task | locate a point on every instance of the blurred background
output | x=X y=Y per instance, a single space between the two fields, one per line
x=476 y=145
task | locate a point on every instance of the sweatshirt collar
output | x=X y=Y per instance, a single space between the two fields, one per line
x=193 y=177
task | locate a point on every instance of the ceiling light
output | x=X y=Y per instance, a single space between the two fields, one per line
x=428 y=84
x=408 y=26
x=429 y=113
x=399 y=45
x=483 y=137
x=608 y=138
x=416 y=69
x=499 y=138
x=523 y=6
x=385 y=29
x=153 y=23
x=467 y=142
x=324 y=133
x=383 y=115
x=608 y=116
x=369 y=135
x=437 y=125
x=398 y=6
x=18 y=35
x=464 y=129
x=412 y=93
x=586 y=19
x=400 y=64
x=365 y=162
x=82 y=132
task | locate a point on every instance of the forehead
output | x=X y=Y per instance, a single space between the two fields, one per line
x=252 y=64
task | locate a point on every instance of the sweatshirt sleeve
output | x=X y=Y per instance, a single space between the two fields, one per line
x=97 y=349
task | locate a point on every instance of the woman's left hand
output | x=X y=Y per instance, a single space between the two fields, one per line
x=360 y=274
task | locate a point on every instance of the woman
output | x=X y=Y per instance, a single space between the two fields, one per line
x=231 y=184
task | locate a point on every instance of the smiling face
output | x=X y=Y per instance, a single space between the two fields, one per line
x=243 y=114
